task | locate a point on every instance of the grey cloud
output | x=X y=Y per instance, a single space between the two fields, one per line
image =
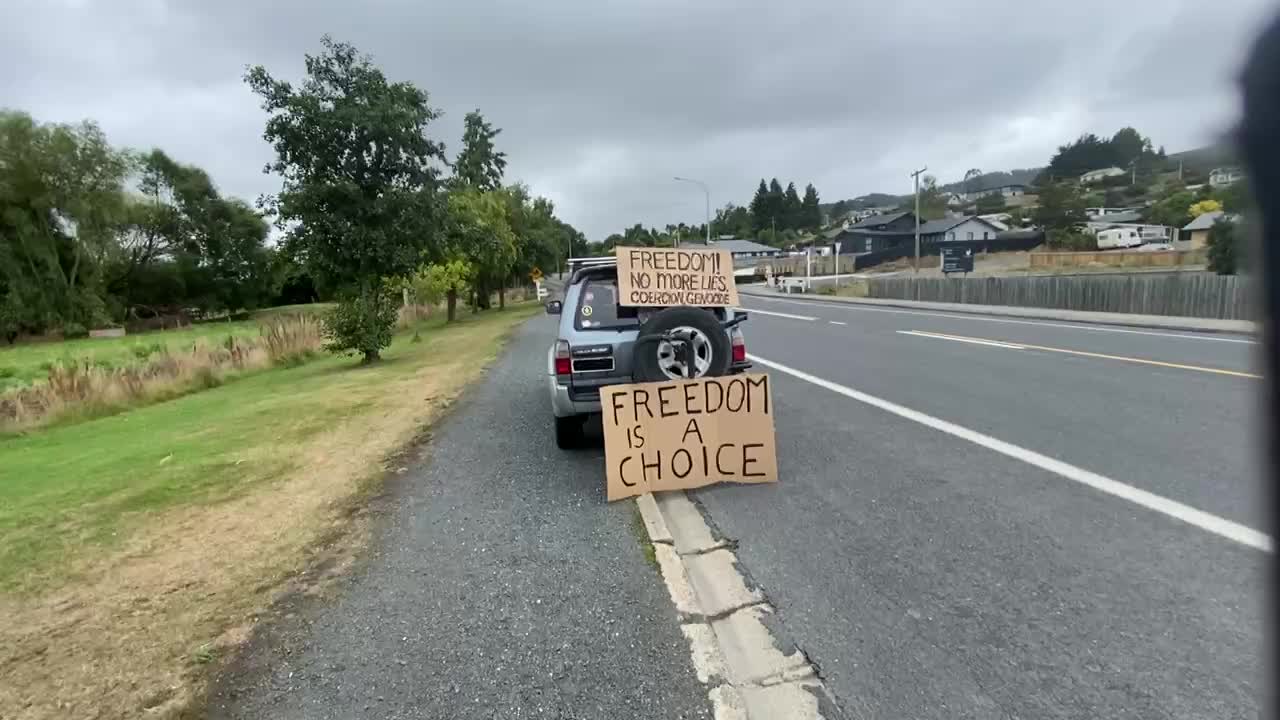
x=602 y=103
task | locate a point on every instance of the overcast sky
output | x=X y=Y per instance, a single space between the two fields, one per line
x=601 y=103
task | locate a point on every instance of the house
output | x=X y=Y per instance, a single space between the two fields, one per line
x=1222 y=177
x=958 y=229
x=746 y=249
x=875 y=233
x=1200 y=227
x=1006 y=191
x=1095 y=212
x=1094 y=176
x=1000 y=220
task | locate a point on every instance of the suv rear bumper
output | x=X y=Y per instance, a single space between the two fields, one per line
x=566 y=402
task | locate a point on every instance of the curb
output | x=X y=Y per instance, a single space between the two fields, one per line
x=754 y=671
x=1152 y=322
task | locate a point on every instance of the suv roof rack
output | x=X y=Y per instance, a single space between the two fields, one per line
x=591 y=261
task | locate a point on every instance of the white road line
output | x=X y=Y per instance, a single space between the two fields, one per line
x=808 y=318
x=971 y=341
x=1205 y=521
x=959 y=315
x=837 y=322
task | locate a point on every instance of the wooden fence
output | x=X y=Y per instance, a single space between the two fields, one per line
x=1185 y=294
x=1165 y=258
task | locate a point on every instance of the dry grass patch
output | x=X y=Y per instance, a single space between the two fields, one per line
x=82 y=388
x=126 y=578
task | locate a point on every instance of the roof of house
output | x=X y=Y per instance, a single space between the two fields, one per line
x=876 y=220
x=1120 y=217
x=1203 y=221
x=934 y=227
x=743 y=246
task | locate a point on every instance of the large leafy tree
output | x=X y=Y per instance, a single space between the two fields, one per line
x=478 y=230
x=479 y=164
x=1062 y=207
x=359 y=201
x=186 y=245
x=61 y=204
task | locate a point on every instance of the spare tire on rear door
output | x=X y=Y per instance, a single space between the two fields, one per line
x=681 y=342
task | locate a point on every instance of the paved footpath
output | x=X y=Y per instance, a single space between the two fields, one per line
x=500 y=585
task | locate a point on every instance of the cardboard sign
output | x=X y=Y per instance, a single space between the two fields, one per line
x=688 y=433
x=649 y=277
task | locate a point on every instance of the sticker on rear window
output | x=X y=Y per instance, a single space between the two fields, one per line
x=586 y=311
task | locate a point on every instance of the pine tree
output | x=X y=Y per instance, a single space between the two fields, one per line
x=478 y=165
x=791 y=208
x=760 y=207
x=810 y=213
x=776 y=206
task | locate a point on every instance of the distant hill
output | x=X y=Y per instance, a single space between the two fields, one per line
x=986 y=181
x=1200 y=161
x=862 y=202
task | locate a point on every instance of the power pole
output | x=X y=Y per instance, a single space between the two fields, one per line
x=916 y=175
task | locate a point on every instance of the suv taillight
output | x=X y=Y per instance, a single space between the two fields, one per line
x=563 y=364
x=739 y=346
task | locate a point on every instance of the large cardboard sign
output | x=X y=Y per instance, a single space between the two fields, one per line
x=649 y=277
x=688 y=433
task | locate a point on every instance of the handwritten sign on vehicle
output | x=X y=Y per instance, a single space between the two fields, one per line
x=688 y=433
x=649 y=277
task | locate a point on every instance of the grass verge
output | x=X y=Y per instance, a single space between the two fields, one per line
x=135 y=549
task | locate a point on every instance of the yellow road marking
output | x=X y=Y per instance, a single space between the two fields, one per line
x=1104 y=356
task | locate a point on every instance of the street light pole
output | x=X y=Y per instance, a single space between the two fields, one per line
x=916 y=175
x=707 y=191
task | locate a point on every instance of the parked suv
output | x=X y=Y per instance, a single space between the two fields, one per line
x=602 y=343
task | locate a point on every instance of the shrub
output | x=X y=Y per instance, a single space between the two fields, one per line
x=1224 y=247
x=74 y=330
x=361 y=324
x=1071 y=240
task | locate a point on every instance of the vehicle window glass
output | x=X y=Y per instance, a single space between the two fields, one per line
x=598 y=307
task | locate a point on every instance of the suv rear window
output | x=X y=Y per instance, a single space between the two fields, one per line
x=598 y=307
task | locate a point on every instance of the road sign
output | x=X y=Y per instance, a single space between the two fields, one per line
x=956 y=259
x=536 y=275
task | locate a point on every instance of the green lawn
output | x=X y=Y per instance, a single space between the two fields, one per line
x=27 y=363
x=70 y=488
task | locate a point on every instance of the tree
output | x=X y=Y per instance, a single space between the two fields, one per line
x=358 y=202
x=1224 y=246
x=933 y=201
x=760 y=207
x=972 y=181
x=1173 y=209
x=1204 y=206
x=791 y=217
x=1128 y=146
x=479 y=165
x=478 y=231
x=442 y=281
x=775 y=210
x=838 y=209
x=1061 y=207
x=810 y=212
x=61 y=205
x=990 y=203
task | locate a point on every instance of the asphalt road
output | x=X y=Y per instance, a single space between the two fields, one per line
x=930 y=576
x=500 y=585
x=925 y=574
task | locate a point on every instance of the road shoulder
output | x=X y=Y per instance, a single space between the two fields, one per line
x=499 y=583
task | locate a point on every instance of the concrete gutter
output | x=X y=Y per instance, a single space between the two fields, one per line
x=1160 y=322
x=735 y=639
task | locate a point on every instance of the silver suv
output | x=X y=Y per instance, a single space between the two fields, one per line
x=602 y=343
